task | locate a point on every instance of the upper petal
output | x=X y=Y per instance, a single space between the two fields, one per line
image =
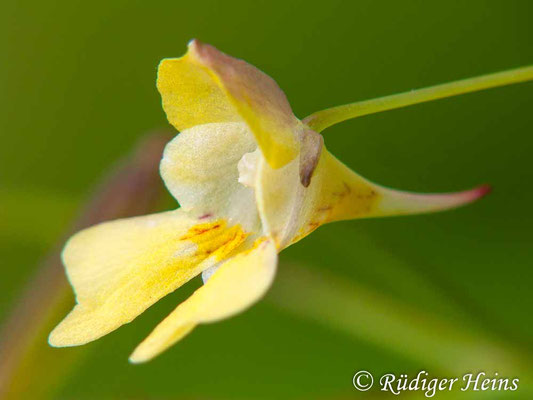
x=237 y=284
x=190 y=94
x=208 y=86
x=120 y=268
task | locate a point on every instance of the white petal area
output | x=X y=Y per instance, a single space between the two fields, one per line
x=120 y=268
x=208 y=273
x=236 y=285
x=248 y=168
x=282 y=200
x=200 y=169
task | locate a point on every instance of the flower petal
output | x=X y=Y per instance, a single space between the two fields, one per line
x=207 y=85
x=200 y=169
x=237 y=284
x=289 y=211
x=190 y=94
x=120 y=268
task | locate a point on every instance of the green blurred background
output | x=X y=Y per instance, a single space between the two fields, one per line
x=77 y=92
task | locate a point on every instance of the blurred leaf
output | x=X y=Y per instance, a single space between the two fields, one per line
x=29 y=367
x=451 y=346
x=34 y=216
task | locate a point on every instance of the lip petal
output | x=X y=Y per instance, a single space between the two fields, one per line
x=120 y=268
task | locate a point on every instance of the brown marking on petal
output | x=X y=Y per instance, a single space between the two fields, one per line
x=202 y=229
x=366 y=196
x=305 y=230
x=214 y=239
x=356 y=199
x=205 y=216
x=234 y=238
x=347 y=190
x=260 y=242
x=311 y=145
x=371 y=195
x=313 y=225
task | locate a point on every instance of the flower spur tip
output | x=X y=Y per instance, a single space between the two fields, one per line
x=476 y=193
x=483 y=190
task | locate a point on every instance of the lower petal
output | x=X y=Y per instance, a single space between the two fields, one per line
x=120 y=268
x=236 y=285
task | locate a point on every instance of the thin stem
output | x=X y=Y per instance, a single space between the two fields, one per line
x=330 y=116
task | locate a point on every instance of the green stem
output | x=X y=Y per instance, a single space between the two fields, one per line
x=330 y=116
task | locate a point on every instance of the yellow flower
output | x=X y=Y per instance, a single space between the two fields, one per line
x=251 y=180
